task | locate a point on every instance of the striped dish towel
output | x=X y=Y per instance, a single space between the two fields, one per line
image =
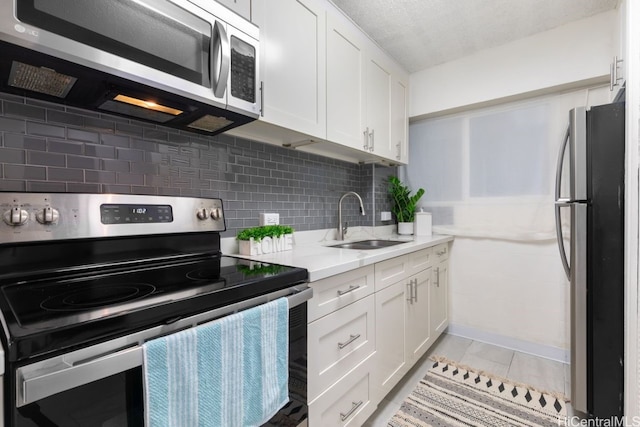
x=230 y=372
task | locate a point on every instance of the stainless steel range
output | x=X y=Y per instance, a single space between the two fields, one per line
x=86 y=279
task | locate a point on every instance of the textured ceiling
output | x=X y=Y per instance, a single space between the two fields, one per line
x=422 y=33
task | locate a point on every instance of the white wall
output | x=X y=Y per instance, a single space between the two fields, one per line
x=578 y=53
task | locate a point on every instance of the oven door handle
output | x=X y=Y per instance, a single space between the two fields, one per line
x=71 y=376
x=43 y=379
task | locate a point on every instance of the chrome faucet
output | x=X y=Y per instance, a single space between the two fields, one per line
x=342 y=230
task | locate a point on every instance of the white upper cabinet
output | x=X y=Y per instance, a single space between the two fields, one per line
x=326 y=87
x=241 y=7
x=346 y=60
x=292 y=43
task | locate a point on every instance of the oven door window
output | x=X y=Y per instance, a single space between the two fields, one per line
x=114 y=401
x=155 y=33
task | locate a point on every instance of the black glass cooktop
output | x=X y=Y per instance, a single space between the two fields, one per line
x=47 y=314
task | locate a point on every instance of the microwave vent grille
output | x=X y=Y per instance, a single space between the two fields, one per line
x=210 y=123
x=40 y=79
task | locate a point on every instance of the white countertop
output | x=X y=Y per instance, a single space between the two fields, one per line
x=311 y=250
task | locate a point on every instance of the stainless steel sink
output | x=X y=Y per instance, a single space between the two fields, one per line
x=367 y=244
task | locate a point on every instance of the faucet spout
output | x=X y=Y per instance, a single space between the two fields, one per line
x=343 y=229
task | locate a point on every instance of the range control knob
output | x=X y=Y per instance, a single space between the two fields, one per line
x=202 y=213
x=48 y=215
x=215 y=213
x=16 y=216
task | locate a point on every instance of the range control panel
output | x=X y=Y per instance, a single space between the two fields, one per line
x=27 y=217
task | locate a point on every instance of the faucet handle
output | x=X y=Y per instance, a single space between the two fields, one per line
x=344 y=229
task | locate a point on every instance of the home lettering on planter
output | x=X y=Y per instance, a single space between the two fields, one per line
x=266 y=245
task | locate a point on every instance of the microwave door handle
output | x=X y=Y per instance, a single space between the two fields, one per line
x=220 y=59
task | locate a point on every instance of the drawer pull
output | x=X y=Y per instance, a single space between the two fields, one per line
x=355 y=406
x=351 y=339
x=442 y=252
x=351 y=289
x=438 y=276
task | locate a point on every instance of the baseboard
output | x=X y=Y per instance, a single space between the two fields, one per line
x=546 y=351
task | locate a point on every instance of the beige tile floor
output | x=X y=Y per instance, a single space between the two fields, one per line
x=538 y=372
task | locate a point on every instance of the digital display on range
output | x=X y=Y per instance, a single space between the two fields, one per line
x=135 y=214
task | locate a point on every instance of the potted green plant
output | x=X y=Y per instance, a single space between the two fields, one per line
x=403 y=204
x=265 y=239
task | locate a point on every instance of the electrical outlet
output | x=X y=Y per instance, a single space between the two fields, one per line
x=269 y=219
x=385 y=216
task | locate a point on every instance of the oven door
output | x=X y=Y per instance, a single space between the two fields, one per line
x=102 y=385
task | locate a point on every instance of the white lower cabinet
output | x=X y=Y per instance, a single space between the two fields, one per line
x=367 y=328
x=348 y=402
x=402 y=329
x=439 y=307
x=341 y=340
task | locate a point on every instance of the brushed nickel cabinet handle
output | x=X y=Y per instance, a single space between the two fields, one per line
x=438 y=276
x=366 y=139
x=355 y=405
x=351 y=289
x=351 y=339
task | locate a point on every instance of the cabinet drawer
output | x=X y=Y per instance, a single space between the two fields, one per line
x=335 y=292
x=441 y=252
x=420 y=260
x=338 y=342
x=348 y=402
x=391 y=271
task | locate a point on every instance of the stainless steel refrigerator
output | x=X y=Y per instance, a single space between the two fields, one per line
x=595 y=265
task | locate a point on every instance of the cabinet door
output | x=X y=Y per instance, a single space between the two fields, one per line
x=417 y=328
x=439 y=312
x=241 y=7
x=345 y=84
x=399 y=142
x=378 y=90
x=293 y=51
x=391 y=357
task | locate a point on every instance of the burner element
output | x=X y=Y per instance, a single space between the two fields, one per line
x=204 y=274
x=97 y=296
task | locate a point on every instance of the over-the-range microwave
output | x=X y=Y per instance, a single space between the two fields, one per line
x=189 y=64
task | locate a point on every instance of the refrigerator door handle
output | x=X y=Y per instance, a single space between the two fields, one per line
x=560 y=202
x=579 y=310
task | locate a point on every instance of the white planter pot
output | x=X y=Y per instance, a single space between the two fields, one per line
x=405 y=228
x=266 y=246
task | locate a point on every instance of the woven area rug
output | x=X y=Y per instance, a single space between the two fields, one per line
x=454 y=395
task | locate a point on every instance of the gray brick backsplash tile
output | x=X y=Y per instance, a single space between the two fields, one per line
x=12 y=125
x=129 y=129
x=75 y=187
x=23 y=110
x=83 y=135
x=129 y=178
x=168 y=191
x=118 y=189
x=55 y=116
x=44 y=104
x=130 y=154
x=56 y=146
x=12 y=185
x=116 y=165
x=138 y=189
x=81 y=162
x=64 y=174
x=25 y=172
x=45 y=159
x=155 y=134
x=101 y=151
x=100 y=125
x=104 y=153
x=144 y=168
x=115 y=140
x=101 y=177
x=46 y=187
x=42 y=129
x=11 y=155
